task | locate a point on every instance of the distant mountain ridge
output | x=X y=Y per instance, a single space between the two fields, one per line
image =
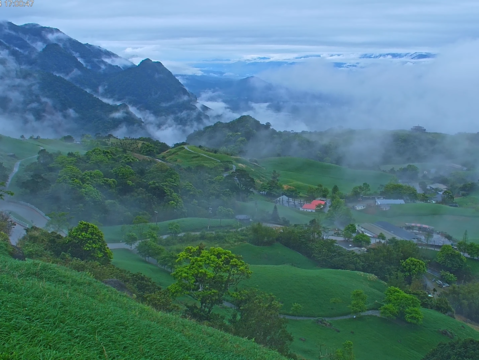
x=100 y=91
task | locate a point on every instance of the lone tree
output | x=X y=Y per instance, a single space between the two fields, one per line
x=257 y=317
x=206 y=275
x=58 y=221
x=4 y=192
x=131 y=238
x=400 y=305
x=413 y=268
x=86 y=242
x=361 y=240
x=358 y=302
x=450 y=259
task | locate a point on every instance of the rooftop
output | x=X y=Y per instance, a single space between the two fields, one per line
x=313 y=204
x=397 y=231
x=389 y=201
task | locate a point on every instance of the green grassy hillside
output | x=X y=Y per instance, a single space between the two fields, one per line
x=50 y=312
x=301 y=173
x=276 y=254
x=314 y=289
x=452 y=220
x=377 y=338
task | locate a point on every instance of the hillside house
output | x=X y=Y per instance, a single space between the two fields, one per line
x=243 y=219
x=311 y=207
x=440 y=188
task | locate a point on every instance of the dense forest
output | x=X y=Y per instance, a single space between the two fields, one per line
x=246 y=136
x=120 y=179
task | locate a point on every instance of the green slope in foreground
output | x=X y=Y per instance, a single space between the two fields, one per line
x=50 y=312
x=378 y=338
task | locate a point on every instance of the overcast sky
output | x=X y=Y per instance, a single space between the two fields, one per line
x=188 y=31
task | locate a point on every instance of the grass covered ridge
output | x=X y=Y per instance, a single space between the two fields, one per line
x=302 y=173
x=50 y=312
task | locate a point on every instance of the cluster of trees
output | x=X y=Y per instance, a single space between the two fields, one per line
x=470 y=248
x=400 y=305
x=210 y=277
x=112 y=185
x=465 y=299
x=399 y=191
x=458 y=349
x=338 y=215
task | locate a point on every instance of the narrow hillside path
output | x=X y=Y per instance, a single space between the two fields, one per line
x=194 y=152
x=16 y=167
x=26 y=210
x=350 y=316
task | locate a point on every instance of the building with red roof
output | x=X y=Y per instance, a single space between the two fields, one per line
x=311 y=207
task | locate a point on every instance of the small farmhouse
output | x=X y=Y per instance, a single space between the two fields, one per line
x=244 y=219
x=437 y=187
x=311 y=207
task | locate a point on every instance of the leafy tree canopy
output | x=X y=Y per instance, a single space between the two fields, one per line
x=207 y=275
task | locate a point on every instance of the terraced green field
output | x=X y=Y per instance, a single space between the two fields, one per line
x=314 y=289
x=452 y=220
x=377 y=338
x=301 y=173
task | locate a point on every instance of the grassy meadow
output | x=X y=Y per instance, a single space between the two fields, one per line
x=377 y=338
x=314 y=289
x=276 y=254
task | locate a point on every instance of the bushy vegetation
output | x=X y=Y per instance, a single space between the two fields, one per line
x=466 y=349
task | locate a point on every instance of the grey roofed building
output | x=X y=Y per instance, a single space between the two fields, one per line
x=380 y=202
x=243 y=219
x=398 y=232
x=438 y=187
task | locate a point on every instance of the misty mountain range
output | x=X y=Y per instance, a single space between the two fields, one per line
x=53 y=84
x=255 y=66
